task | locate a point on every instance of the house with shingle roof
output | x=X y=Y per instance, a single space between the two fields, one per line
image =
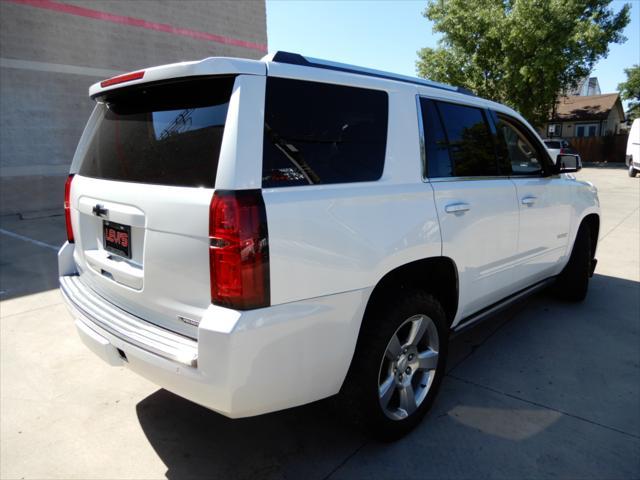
x=586 y=116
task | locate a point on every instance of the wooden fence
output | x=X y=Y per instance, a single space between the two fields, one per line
x=610 y=148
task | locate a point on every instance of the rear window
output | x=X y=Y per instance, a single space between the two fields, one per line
x=317 y=133
x=165 y=134
x=554 y=145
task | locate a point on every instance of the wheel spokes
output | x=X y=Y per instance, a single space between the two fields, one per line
x=407 y=399
x=418 y=328
x=408 y=367
x=386 y=390
x=428 y=360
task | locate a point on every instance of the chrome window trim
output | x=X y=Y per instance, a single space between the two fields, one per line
x=495 y=177
x=421 y=137
x=515 y=177
x=423 y=149
x=466 y=179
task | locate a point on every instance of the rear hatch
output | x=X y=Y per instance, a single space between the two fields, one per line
x=144 y=179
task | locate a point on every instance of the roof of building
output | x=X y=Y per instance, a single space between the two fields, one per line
x=593 y=107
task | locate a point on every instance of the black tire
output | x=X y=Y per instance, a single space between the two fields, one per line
x=632 y=171
x=573 y=282
x=359 y=398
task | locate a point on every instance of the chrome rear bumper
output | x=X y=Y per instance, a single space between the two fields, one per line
x=90 y=308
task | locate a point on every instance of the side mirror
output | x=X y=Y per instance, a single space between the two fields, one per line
x=568 y=164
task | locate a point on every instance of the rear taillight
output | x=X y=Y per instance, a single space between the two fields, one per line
x=563 y=150
x=67 y=208
x=239 y=250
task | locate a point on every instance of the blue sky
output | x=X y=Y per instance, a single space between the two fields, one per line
x=387 y=34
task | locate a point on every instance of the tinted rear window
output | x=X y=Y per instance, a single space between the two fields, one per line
x=436 y=145
x=165 y=134
x=317 y=133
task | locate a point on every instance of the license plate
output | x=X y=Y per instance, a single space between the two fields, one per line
x=117 y=238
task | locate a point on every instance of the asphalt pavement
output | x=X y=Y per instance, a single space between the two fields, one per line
x=546 y=389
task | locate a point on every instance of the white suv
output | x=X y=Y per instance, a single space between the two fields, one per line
x=255 y=235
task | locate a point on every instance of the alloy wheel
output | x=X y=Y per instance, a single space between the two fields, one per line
x=408 y=367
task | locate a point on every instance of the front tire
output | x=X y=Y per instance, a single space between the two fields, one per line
x=632 y=171
x=398 y=365
x=572 y=284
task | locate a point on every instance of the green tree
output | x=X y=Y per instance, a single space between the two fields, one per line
x=524 y=53
x=630 y=90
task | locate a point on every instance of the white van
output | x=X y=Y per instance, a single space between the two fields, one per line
x=256 y=235
x=633 y=148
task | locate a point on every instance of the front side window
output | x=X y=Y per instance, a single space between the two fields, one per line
x=318 y=133
x=464 y=132
x=515 y=144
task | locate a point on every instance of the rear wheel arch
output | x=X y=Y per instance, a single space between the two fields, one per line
x=437 y=276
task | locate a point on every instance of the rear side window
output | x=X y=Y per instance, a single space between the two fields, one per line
x=470 y=142
x=317 y=133
x=165 y=134
x=436 y=145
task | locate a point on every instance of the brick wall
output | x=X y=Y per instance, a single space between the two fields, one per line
x=52 y=51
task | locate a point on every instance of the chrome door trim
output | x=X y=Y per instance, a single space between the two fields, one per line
x=466 y=179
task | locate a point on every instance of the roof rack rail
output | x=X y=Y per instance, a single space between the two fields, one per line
x=297 y=59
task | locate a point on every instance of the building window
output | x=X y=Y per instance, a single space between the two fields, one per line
x=587 y=130
x=554 y=130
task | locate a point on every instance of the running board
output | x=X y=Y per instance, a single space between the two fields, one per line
x=501 y=305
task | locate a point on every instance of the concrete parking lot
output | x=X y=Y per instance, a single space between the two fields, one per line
x=545 y=389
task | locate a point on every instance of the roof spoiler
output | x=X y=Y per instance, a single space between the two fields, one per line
x=208 y=66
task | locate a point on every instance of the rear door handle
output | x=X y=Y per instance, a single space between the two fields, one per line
x=530 y=200
x=457 y=207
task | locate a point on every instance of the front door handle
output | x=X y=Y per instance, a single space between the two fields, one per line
x=530 y=200
x=457 y=207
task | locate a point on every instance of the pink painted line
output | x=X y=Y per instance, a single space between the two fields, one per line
x=138 y=22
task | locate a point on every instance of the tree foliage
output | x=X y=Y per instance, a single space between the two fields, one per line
x=523 y=53
x=630 y=90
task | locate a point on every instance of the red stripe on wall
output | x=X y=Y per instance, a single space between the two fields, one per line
x=138 y=22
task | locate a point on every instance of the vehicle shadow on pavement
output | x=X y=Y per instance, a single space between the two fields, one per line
x=195 y=442
x=514 y=400
x=303 y=442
